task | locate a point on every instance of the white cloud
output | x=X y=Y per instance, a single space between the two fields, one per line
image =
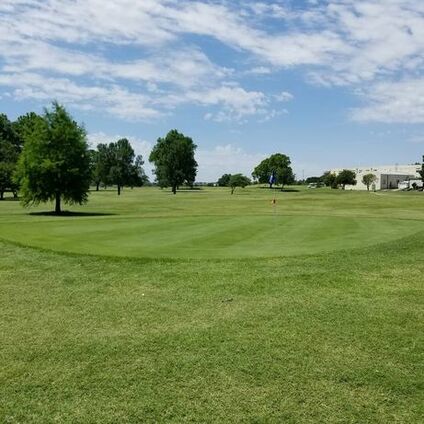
x=114 y=99
x=393 y=102
x=272 y=10
x=284 y=96
x=225 y=159
x=259 y=70
x=236 y=102
x=363 y=44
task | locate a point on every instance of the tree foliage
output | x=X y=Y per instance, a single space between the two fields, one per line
x=329 y=179
x=55 y=162
x=224 y=180
x=369 y=179
x=117 y=164
x=238 y=180
x=278 y=166
x=10 y=148
x=100 y=165
x=346 y=177
x=174 y=160
x=121 y=156
x=138 y=176
x=313 y=180
x=25 y=125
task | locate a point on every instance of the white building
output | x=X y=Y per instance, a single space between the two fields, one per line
x=388 y=177
x=411 y=183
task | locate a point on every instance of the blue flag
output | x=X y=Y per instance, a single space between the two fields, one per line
x=272 y=178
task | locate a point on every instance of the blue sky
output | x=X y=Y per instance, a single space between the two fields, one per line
x=330 y=83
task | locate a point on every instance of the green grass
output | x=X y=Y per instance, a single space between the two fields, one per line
x=206 y=307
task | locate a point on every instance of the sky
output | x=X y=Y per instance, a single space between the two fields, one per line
x=331 y=83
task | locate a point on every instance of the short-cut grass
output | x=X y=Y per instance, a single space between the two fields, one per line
x=207 y=307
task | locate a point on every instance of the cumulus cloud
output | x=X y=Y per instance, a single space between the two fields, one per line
x=393 y=102
x=225 y=159
x=284 y=96
x=359 y=44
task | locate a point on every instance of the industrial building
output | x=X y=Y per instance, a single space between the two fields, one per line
x=388 y=177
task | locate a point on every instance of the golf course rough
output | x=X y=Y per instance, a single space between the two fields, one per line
x=207 y=307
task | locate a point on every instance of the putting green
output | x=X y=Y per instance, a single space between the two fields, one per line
x=203 y=237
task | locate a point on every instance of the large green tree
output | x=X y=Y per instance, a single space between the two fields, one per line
x=116 y=163
x=346 y=177
x=10 y=148
x=55 y=162
x=274 y=170
x=174 y=160
x=369 y=179
x=121 y=158
x=224 y=180
x=238 y=180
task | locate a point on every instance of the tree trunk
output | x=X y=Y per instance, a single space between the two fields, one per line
x=15 y=194
x=1 y=195
x=119 y=190
x=270 y=185
x=232 y=190
x=174 y=189
x=57 y=209
x=368 y=187
x=97 y=186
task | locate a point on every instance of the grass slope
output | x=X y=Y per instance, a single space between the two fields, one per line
x=213 y=224
x=333 y=337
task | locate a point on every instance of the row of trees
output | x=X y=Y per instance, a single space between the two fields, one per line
x=344 y=178
x=117 y=164
x=274 y=170
x=12 y=136
x=173 y=157
x=47 y=158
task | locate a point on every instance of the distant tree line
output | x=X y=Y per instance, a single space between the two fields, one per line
x=333 y=180
x=47 y=158
x=274 y=170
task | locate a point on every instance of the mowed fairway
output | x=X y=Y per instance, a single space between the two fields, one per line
x=207 y=307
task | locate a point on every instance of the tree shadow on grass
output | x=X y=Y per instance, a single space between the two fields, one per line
x=71 y=214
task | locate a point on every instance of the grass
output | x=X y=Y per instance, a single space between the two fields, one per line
x=229 y=318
